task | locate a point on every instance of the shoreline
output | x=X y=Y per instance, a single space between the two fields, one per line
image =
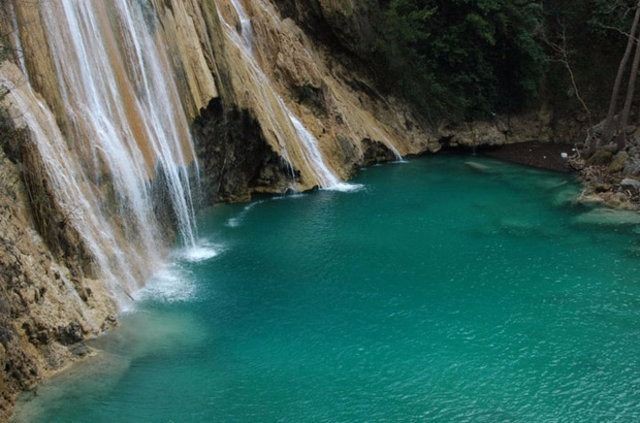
x=601 y=186
x=539 y=155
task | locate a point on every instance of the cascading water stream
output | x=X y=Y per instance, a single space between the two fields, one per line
x=312 y=155
x=269 y=12
x=135 y=119
x=122 y=159
x=246 y=29
x=327 y=179
x=72 y=190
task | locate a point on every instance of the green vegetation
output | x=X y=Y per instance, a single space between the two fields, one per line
x=473 y=58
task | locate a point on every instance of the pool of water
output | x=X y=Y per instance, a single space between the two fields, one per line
x=447 y=289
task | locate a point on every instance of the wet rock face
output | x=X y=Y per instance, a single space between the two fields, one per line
x=376 y=152
x=62 y=239
x=70 y=334
x=235 y=159
x=48 y=306
x=313 y=97
x=17 y=370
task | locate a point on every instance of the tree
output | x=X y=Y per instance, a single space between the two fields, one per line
x=463 y=59
x=631 y=89
x=609 y=121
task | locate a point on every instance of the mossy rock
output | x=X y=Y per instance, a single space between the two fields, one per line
x=601 y=157
x=619 y=162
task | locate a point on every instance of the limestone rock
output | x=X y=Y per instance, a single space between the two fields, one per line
x=630 y=183
x=37 y=267
x=632 y=166
x=609 y=217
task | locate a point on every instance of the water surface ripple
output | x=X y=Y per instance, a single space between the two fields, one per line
x=442 y=291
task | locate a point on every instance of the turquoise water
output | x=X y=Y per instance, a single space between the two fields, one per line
x=439 y=292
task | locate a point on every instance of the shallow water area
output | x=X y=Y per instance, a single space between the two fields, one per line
x=441 y=291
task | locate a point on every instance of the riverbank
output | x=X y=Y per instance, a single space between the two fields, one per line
x=606 y=178
x=548 y=156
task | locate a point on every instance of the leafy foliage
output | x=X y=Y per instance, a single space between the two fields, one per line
x=474 y=58
x=469 y=58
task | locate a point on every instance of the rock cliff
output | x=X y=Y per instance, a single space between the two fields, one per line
x=50 y=300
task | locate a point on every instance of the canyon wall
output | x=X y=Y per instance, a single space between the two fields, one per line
x=274 y=59
x=111 y=110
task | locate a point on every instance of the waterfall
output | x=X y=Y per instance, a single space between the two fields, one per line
x=311 y=154
x=117 y=86
x=121 y=157
x=302 y=131
x=72 y=189
x=246 y=29
x=326 y=178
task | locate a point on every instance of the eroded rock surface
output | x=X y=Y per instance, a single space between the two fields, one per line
x=240 y=162
x=47 y=304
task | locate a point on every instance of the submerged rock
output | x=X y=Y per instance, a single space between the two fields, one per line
x=566 y=197
x=630 y=183
x=609 y=217
x=478 y=166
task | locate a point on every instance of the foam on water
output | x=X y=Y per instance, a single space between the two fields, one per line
x=174 y=282
x=171 y=284
x=236 y=221
x=233 y=222
x=289 y=196
x=344 y=187
x=202 y=251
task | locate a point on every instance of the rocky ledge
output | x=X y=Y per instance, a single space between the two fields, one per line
x=611 y=177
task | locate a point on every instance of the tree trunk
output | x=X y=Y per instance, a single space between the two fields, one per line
x=631 y=88
x=613 y=104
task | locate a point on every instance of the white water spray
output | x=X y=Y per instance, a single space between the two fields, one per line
x=121 y=77
x=246 y=29
x=312 y=155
